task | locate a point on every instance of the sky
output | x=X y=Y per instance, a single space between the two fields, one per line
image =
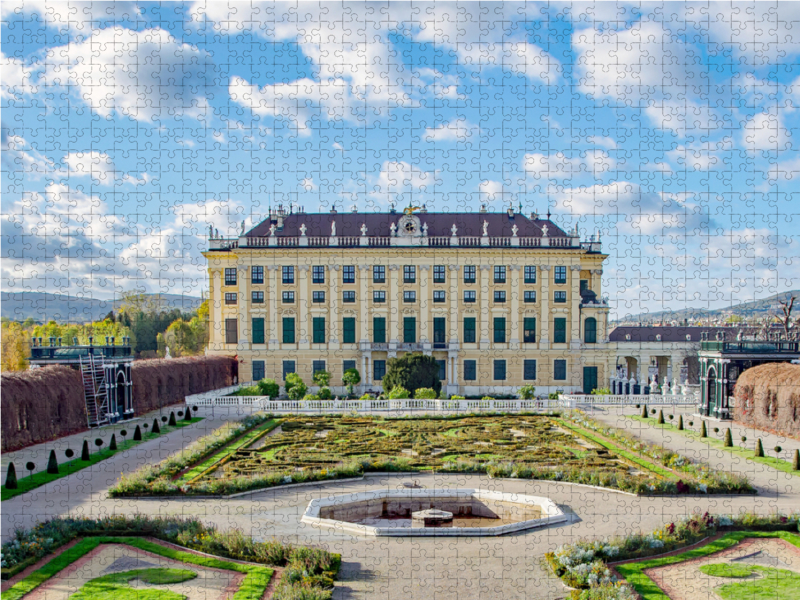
x=130 y=127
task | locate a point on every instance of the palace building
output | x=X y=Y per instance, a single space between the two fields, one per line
x=499 y=299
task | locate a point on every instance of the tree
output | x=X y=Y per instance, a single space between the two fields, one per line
x=52 y=463
x=412 y=371
x=351 y=378
x=680 y=422
x=527 y=392
x=180 y=339
x=786 y=320
x=15 y=348
x=295 y=388
x=728 y=443
x=759 y=449
x=321 y=378
x=85 y=451
x=269 y=387
x=703 y=430
x=644 y=411
x=11 y=477
x=796 y=461
x=660 y=417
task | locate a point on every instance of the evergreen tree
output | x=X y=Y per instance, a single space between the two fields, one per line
x=412 y=371
x=187 y=415
x=172 y=421
x=796 y=461
x=85 y=451
x=660 y=417
x=680 y=422
x=52 y=463
x=703 y=430
x=11 y=477
x=137 y=435
x=728 y=438
x=113 y=444
x=759 y=448
x=644 y=411
x=156 y=427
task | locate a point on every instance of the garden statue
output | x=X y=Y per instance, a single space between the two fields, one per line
x=272 y=229
x=454 y=229
x=544 y=230
x=425 y=229
x=514 y=230
x=485 y=228
x=393 y=229
x=363 y=229
x=333 y=228
x=303 y=229
x=167 y=354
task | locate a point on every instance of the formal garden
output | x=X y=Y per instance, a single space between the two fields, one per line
x=195 y=561
x=263 y=451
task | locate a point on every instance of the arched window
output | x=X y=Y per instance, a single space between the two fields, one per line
x=590 y=330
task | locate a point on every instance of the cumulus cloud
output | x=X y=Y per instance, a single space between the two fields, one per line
x=17 y=78
x=75 y=15
x=560 y=166
x=96 y=165
x=764 y=132
x=397 y=180
x=458 y=130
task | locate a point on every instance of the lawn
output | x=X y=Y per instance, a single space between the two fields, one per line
x=31 y=482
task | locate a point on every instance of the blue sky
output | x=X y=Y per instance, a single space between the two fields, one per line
x=128 y=128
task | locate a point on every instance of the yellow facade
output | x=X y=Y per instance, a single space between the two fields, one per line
x=328 y=292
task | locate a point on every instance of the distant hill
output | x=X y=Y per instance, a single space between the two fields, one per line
x=43 y=307
x=747 y=310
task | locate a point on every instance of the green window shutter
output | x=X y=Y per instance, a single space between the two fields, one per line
x=288 y=330
x=499 y=330
x=379 y=330
x=439 y=330
x=590 y=330
x=469 y=330
x=349 y=330
x=529 y=330
x=318 y=324
x=559 y=331
x=258 y=330
x=409 y=330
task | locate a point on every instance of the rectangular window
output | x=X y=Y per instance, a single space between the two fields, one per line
x=559 y=370
x=559 y=297
x=499 y=330
x=258 y=370
x=378 y=369
x=529 y=370
x=348 y=297
x=379 y=297
x=288 y=330
x=231 y=331
x=470 y=370
x=469 y=296
x=288 y=297
x=439 y=296
x=378 y=274
x=469 y=274
x=288 y=368
x=349 y=330
x=409 y=296
x=438 y=274
x=379 y=330
x=258 y=331
x=257 y=297
x=317 y=274
x=409 y=330
x=318 y=297
x=347 y=365
x=288 y=275
x=257 y=276
x=500 y=370
x=318 y=328
x=439 y=332
x=499 y=274
x=317 y=366
x=469 y=330
x=584 y=285
x=559 y=331
x=499 y=296
x=409 y=274
x=529 y=330
x=561 y=275
x=442 y=369
x=230 y=276
x=530 y=274
x=349 y=274
x=230 y=298
x=530 y=296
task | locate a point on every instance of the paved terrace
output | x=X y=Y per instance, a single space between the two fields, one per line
x=465 y=568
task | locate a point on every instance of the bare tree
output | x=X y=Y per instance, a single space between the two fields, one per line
x=786 y=319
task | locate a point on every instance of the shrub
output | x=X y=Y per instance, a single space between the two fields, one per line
x=172 y=421
x=137 y=434
x=321 y=378
x=366 y=397
x=796 y=461
x=527 y=392
x=703 y=430
x=553 y=395
x=269 y=387
x=113 y=444
x=660 y=417
x=325 y=393
x=11 y=477
x=351 y=378
x=85 y=451
x=680 y=422
x=728 y=443
x=187 y=415
x=759 y=449
x=487 y=398
x=411 y=371
x=98 y=442
x=601 y=392
x=52 y=463
x=644 y=411
x=156 y=427
x=30 y=466
x=457 y=398
x=398 y=393
x=425 y=394
x=311 y=397
x=69 y=453
x=295 y=388
x=777 y=449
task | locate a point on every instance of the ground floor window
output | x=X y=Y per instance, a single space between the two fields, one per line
x=258 y=370
x=378 y=369
x=317 y=366
x=500 y=370
x=529 y=370
x=288 y=367
x=442 y=369
x=231 y=331
x=470 y=370
x=560 y=370
x=347 y=365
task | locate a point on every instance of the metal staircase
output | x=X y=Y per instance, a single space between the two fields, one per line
x=93 y=373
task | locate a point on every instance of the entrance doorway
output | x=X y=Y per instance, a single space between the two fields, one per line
x=589 y=379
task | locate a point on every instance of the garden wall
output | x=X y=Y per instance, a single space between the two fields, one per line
x=48 y=403
x=768 y=397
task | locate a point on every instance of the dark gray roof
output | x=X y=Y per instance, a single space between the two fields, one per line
x=378 y=224
x=677 y=333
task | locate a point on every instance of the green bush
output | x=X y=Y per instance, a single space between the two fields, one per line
x=172 y=421
x=398 y=393
x=553 y=395
x=796 y=461
x=527 y=392
x=112 y=445
x=680 y=422
x=325 y=393
x=703 y=430
x=11 y=477
x=321 y=378
x=156 y=427
x=268 y=387
x=366 y=397
x=295 y=388
x=457 y=398
x=351 y=378
x=759 y=449
x=425 y=394
x=644 y=411
x=311 y=397
x=487 y=398
x=728 y=443
x=85 y=450
x=412 y=371
x=660 y=417
x=137 y=437
x=52 y=463
x=601 y=392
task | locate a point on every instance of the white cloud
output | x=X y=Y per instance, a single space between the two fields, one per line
x=397 y=179
x=96 y=165
x=702 y=156
x=603 y=142
x=683 y=117
x=75 y=15
x=495 y=191
x=17 y=78
x=338 y=146
x=21 y=160
x=146 y=75
x=308 y=184
x=560 y=166
x=764 y=132
x=454 y=131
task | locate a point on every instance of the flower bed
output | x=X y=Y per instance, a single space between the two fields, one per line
x=584 y=565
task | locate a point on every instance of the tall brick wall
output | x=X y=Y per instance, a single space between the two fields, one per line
x=48 y=403
x=768 y=397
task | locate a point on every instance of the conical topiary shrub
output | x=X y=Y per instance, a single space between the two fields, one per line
x=187 y=414
x=703 y=430
x=728 y=443
x=680 y=422
x=156 y=427
x=112 y=445
x=759 y=448
x=172 y=421
x=52 y=463
x=660 y=417
x=644 y=411
x=796 y=461
x=137 y=434
x=11 y=477
x=85 y=451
